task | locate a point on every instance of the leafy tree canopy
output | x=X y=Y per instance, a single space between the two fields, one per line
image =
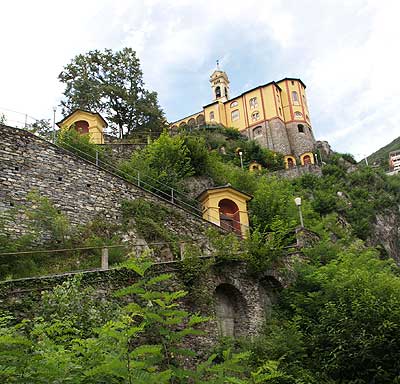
x=111 y=83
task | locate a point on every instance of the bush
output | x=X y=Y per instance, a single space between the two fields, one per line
x=79 y=144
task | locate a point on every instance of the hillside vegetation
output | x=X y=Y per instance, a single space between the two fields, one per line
x=338 y=322
x=381 y=156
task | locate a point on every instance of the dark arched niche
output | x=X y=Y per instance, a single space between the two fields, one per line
x=229 y=215
x=81 y=126
x=231 y=310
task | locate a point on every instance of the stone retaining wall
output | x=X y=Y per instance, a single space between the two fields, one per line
x=75 y=186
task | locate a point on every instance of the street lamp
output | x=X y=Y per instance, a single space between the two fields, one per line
x=54 y=124
x=241 y=158
x=297 y=201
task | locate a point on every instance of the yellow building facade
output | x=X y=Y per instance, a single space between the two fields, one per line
x=275 y=114
x=226 y=207
x=85 y=122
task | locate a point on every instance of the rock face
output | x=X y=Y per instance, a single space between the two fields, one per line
x=386 y=233
x=294 y=172
x=195 y=185
x=324 y=149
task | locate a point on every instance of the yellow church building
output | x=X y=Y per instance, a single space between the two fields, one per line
x=274 y=114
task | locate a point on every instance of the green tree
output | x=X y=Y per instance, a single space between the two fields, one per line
x=3 y=119
x=111 y=83
x=347 y=315
x=41 y=128
x=165 y=162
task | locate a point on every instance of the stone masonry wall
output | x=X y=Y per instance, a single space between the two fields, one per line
x=120 y=151
x=279 y=136
x=300 y=142
x=76 y=187
x=18 y=296
x=299 y=170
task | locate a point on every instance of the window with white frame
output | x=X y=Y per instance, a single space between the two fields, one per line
x=253 y=102
x=295 y=97
x=235 y=115
x=234 y=104
x=212 y=117
x=298 y=115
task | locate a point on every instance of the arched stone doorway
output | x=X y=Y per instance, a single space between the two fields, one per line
x=231 y=311
x=229 y=216
x=81 y=126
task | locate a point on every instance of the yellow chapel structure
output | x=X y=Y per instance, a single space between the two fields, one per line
x=226 y=207
x=275 y=114
x=85 y=122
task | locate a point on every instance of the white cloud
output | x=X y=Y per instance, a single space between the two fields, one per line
x=345 y=51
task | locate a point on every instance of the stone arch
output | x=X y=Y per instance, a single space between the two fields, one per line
x=307 y=158
x=218 y=92
x=229 y=215
x=183 y=124
x=174 y=127
x=200 y=119
x=257 y=131
x=231 y=310
x=81 y=126
x=191 y=122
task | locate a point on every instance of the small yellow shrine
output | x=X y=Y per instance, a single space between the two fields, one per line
x=226 y=207
x=85 y=122
x=254 y=166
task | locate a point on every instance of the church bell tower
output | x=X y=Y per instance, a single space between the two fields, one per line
x=219 y=85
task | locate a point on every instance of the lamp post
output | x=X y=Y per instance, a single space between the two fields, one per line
x=241 y=158
x=54 y=124
x=297 y=201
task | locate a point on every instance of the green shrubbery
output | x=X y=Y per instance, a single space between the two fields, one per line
x=75 y=142
x=49 y=229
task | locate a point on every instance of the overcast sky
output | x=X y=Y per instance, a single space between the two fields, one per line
x=346 y=52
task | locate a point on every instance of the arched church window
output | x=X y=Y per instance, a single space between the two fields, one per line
x=218 y=91
x=235 y=115
x=255 y=116
x=212 y=117
x=253 y=102
x=257 y=131
x=295 y=97
x=234 y=104
x=290 y=162
x=298 y=115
